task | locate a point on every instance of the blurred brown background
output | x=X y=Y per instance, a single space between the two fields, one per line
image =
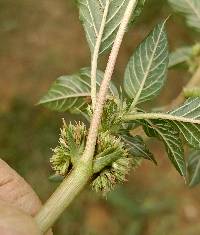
x=41 y=40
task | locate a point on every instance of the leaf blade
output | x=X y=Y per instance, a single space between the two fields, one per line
x=146 y=71
x=190 y=131
x=193 y=168
x=91 y=15
x=164 y=131
x=180 y=56
x=186 y=118
x=191 y=10
x=137 y=147
x=71 y=92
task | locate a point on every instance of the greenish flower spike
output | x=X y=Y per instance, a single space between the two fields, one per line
x=113 y=113
x=112 y=160
x=71 y=146
x=111 y=149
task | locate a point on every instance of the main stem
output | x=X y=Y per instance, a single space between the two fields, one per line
x=96 y=119
x=79 y=177
x=62 y=197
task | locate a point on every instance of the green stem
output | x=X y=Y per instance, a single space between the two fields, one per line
x=151 y=116
x=63 y=196
x=104 y=161
x=79 y=177
x=96 y=119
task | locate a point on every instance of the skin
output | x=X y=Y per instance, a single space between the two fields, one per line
x=18 y=204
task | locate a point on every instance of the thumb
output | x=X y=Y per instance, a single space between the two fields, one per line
x=15 y=222
x=15 y=191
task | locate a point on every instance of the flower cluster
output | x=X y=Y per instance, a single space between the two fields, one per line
x=71 y=145
x=112 y=160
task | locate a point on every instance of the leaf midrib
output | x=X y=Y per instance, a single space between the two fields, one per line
x=193 y=8
x=64 y=97
x=93 y=22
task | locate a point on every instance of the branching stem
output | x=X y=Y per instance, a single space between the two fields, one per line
x=79 y=177
x=93 y=131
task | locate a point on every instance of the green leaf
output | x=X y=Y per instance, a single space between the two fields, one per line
x=137 y=147
x=56 y=178
x=164 y=131
x=186 y=119
x=191 y=129
x=183 y=121
x=91 y=15
x=190 y=9
x=71 y=92
x=193 y=168
x=180 y=56
x=146 y=71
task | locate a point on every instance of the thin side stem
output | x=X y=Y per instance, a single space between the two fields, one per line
x=195 y=81
x=104 y=161
x=96 y=54
x=163 y=116
x=96 y=119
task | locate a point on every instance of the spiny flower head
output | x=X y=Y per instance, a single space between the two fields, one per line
x=113 y=113
x=112 y=160
x=71 y=145
x=117 y=170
